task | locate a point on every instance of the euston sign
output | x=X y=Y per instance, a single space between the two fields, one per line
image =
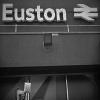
x=11 y=14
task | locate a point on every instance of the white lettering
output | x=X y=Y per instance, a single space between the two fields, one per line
x=39 y=11
x=59 y=11
x=52 y=17
x=21 y=18
x=14 y=14
x=29 y=13
x=7 y=12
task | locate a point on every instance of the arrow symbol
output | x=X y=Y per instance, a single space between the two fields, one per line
x=85 y=12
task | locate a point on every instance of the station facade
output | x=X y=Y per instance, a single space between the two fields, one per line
x=48 y=47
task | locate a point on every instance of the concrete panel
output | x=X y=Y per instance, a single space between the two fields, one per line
x=27 y=50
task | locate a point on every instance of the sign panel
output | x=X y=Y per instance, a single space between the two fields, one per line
x=20 y=22
x=34 y=12
x=28 y=14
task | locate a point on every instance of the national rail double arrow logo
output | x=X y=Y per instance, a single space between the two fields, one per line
x=85 y=12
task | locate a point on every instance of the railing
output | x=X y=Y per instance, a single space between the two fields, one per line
x=54 y=29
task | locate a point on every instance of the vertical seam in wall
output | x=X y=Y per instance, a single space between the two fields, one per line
x=67 y=88
x=16 y=28
x=68 y=28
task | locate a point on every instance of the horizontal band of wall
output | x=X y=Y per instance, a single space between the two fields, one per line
x=54 y=29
